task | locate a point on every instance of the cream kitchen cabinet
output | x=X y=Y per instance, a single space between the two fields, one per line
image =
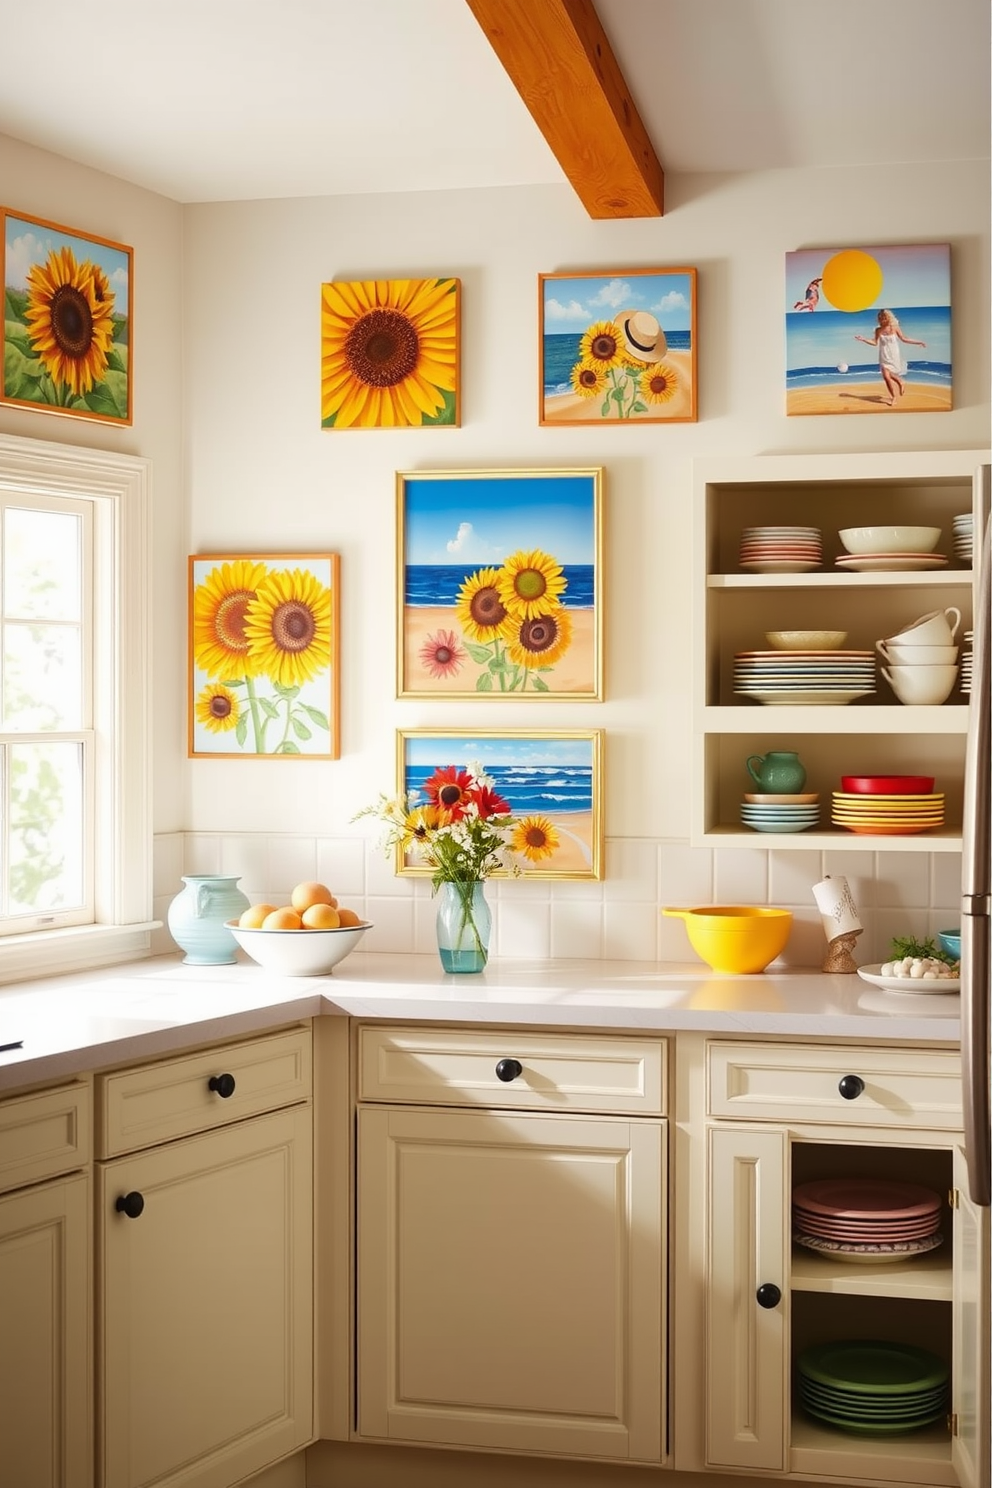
x=511 y=1241
x=759 y=1118
x=46 y=1335
x=733 y=610
x=204 y=1235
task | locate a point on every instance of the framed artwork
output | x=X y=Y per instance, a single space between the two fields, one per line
x=868 y=330
x=552 y=779
x=500 y=578
x=263 y=655
x=617 y=347
x=67 y=321
x=389 y=353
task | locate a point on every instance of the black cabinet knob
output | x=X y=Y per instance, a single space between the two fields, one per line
x=509 y=1069
x=130 y=1204
x=851 y=1086
x=768 y=1295
x=222 y=1084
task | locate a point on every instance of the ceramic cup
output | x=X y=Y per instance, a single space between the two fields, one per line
x=921 y=685
x=934 y=629
x=916 y=655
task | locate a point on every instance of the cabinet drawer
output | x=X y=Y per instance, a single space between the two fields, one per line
x=458 y=1068
x=45 y=1134
x=909 y=1089
x=153 y=1103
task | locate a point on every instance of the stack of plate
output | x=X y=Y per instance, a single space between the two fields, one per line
x=963 y=538
x=781 y=549
x=780 y=813
x=887 y=815
x=872 y=1388
x=890 y=562
x=804 y=677
x=969 y=636
x=865 y=1219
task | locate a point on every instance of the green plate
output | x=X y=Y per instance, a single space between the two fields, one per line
x=874 y=1428
x=874 y=1409
x=873 y=1367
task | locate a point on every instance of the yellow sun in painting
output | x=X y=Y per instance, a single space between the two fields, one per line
x=852 y=279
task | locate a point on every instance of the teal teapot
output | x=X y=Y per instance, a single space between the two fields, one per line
x=780 y=772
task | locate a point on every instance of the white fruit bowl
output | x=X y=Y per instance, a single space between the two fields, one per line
x=864 y=541
x=298 y=952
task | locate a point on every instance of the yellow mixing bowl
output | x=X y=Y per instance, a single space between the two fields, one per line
x=736 y=937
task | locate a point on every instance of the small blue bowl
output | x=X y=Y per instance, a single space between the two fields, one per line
x=950 y=941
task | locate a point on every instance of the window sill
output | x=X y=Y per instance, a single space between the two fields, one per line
x=76 y=948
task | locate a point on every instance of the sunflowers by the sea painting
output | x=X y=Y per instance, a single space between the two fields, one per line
x=389 y=353
x=264 y=647
x=67 y=321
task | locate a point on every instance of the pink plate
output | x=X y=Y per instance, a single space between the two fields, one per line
x=866 y=1198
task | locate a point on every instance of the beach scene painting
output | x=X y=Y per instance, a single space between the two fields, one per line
x=500 y=584
x=552 y=781
x=868 y=330
x=618 y=347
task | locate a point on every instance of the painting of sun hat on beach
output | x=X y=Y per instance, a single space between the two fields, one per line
x=617 y=347
x=868 y=330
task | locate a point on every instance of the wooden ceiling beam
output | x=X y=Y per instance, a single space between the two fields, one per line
x=561 y=63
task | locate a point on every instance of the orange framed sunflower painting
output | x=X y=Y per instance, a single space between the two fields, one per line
x=617 y=348
x=264 y=648
x=500 y=584
x=389 y=353
x=67 y=321
x=552 y=781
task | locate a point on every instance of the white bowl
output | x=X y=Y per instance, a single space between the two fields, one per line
x=806 y=640
x=298 y=952
x=935 y=628
x=925 y=686
x=867 y=540
x=916 y=655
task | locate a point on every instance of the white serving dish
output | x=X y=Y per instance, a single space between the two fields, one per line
x=908 y=984
x=863 y=541
x=298 y=952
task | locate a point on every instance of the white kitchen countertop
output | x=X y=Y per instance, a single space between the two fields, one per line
x=116 y=1015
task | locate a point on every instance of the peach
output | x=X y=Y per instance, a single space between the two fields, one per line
x=348 y=917
x=282 y=919
x=320 y=917
x=253 y=916
x=307 y=893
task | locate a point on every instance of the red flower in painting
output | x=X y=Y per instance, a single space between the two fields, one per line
x=490 y=803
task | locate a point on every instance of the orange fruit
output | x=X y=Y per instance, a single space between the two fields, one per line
x=282 y=919
x=253 y=916
x=320 y=917
x=348 y=917
x=308 y=893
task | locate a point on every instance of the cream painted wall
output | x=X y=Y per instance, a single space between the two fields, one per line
x=263 y=475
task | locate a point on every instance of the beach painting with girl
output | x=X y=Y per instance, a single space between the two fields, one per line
x=868 y=330
x=617 y=347
x=500 y=584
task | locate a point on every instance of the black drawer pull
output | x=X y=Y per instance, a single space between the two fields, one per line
x=768 y=1295
x=223 y=1084
x=130 y=1204
x=509 y=1069
x=851 y=1086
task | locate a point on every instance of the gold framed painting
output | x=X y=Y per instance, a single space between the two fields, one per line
x=67 y=320
x=390 y=353
x=499 y=584
x=617 y=347
x=552 y=780
x=264 y=647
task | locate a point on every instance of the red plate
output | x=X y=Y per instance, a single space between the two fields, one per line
x=866 y=1198
x=888 y=785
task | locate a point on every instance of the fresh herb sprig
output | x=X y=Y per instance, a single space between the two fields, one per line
x=908 y=945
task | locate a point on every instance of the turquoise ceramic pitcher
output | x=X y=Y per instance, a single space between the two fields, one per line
x=197 y=915
x=780 y=772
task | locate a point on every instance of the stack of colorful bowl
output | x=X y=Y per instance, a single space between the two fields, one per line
x=887 y=805
x=781 y=549
x=780 y=813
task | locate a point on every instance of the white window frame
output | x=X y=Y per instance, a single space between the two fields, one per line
x=119 y=490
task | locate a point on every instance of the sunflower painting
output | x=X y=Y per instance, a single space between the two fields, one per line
x=389 y=353
x=618 y=347
x=67 y=321
x=552 y=781
x=500 y=581
x=263 y=637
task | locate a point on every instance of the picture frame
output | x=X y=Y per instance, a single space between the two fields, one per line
x=500 y=584
x=264 y=649
x=617 y=347
x=390 y=353
x=868 y=330
x=552 y=779
x=68 y=327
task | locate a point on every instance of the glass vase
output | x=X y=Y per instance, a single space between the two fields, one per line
x=464 y=924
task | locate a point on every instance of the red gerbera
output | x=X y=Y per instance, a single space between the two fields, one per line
x=442 y=655
x=490 y=803
x=450 y=789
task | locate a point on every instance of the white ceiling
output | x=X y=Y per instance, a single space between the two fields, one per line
x=217 y=100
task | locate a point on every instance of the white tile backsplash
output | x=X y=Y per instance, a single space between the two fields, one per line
x=897 y=893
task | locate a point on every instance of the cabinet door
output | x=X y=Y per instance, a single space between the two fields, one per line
x=970 y=1372
x=205 y=1356
x=499 y=1259
x=747 y=1344
x=46 y=1397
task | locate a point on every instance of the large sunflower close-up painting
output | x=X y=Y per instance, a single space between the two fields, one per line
x=389 y=353
x=67 y=321
x=264 y=647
